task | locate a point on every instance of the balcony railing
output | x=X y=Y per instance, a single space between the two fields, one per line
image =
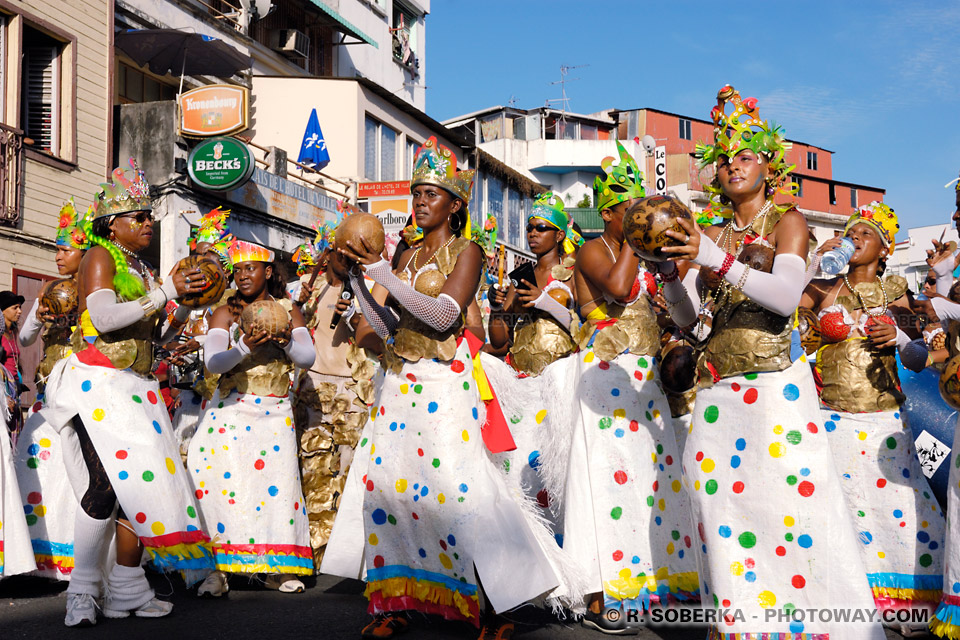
x=11 y=175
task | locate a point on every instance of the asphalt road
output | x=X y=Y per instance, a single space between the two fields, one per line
x=330 y=608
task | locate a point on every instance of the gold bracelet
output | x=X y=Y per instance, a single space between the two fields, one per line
x=147 y=305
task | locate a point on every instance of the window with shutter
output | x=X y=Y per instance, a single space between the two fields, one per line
x=40 y=94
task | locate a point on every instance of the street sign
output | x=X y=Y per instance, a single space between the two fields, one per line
x=397 y=188
x=660 y=171
x=221 y=163
x=213 y=110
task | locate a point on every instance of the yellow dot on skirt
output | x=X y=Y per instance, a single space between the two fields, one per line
x=736 y=569
x=881 y=554
x=171 y=467
x=441 y=498
x=624 y=573
x=862 y=435
x=39 y=510
x=445 y=561
x=653 y=457
x=98 y=414
x=404 y=388
x=465 y=435
x=541 y=415
x=620 y=413
x=766 y=599
x=670 y=549
x=401 y=485
x=289 y=421
x=696 y=485
x=373 y=413
x=44 y=442
x=707 y=465
x=778 y=429
x=924 y=524
x=157 y=528
x=662 y=504
x=656 y=413
x=373 y=447
x=373 y=538
x=650 y=374
x=777 y=449
x=588 y=357
x=789 y=521
x=675 y=485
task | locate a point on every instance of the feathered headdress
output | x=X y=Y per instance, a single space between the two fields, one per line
x=70 y=232
x=243 y=251
x=737 y=131
x=123 y=195
x=213 y=227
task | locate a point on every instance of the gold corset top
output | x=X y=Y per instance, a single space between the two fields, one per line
x=538 y=339
x=265 y=372
x=634 y=328
x=129 y=347
x=56 y=346
x=415 y=339
x=858 y=378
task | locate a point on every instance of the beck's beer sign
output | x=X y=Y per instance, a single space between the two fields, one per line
x=214 y=110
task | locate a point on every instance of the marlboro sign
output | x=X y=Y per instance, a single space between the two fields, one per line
x=213 y=110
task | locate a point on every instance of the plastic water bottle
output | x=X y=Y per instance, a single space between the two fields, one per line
x=835 y=260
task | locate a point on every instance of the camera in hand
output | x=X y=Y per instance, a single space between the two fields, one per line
x=346 y=293
x=523 y=272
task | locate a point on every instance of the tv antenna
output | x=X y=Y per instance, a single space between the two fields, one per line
x=512 y=102
x=564 y=100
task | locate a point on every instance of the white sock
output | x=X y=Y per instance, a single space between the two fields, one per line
x=127 y=588
x=89 y=538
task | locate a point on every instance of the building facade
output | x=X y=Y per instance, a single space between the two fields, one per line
x=564 y=151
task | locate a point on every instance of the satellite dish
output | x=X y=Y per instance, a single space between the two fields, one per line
x=648 y=143
x=260 y=7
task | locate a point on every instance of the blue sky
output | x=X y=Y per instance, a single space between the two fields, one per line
x=876 y=82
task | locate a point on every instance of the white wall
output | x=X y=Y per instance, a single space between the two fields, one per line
x=909 y=258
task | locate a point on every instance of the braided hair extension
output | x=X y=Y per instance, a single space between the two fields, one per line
x=126 y=285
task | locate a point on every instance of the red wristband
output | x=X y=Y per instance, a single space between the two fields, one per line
x=727 y=263
x=670 y=277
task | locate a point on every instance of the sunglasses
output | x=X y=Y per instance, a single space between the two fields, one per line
x=540 y=227
x=138 y=216
x=930 y=282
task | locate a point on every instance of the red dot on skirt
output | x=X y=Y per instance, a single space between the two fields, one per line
x=738 y=487
x=811 y=427
x=121 y=455
x=805 y=488
x=152 y=397
x=415 y=516
x=781 y=551
x=725 y=603
x=199 y=494
x=618 y=555
x=881 y=483
x=369 y=485
x=378 y=562
x=750 y=396
x=141 y=517
x=699 y=456
x=798 y=582
x=604 y=366
x=735 y=387
x=456 y=366
x=258 y=465
x=620 y=477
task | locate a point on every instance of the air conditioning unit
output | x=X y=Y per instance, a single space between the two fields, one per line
x=290 y=42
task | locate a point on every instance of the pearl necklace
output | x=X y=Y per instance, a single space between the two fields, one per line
x=864 y=304
x=763 y=211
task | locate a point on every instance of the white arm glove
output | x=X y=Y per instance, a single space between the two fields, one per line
x=380 y=319
x=945 y=309
x=913 y=353
x=944 y=274
x=31 y=328
x=556 y=310
x=778 y=291
x=217 y=354
x=300 y=348
x=812 y=269
x=440 y=312
x=679 y=303
x=690 y=284
x=107 y=314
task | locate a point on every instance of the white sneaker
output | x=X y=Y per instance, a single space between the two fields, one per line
x=214 y=585
x=81 y=610
x=284 y=583
x=153 y=609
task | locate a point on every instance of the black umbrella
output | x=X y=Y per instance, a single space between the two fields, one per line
x=181 y=52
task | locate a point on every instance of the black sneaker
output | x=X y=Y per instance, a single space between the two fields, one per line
x=611 y=621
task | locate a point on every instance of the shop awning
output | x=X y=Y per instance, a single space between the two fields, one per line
x=345 y=25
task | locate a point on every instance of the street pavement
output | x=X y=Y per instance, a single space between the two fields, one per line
x=330 y=608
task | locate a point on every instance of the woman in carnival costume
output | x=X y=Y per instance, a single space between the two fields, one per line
x=900 y=525
x=211 y=238
x=533 y=321
x=105 y=389
x=775 y=533
x=636 y=552
x=49 y=465
x=332 y=399
x=426 y=516
x=243 y=460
